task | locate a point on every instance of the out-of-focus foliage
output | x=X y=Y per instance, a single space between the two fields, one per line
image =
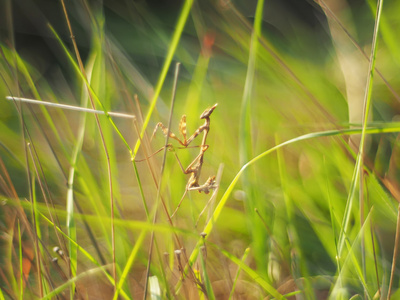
x=292 y=71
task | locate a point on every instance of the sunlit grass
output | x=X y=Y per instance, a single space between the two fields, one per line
x=308 y=194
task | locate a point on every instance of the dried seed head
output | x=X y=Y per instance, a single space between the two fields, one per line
x=57 y=250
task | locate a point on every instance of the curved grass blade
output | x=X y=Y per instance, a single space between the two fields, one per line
x=253 y=274
x=72 y=281
x=389 y=128
x=86 y=254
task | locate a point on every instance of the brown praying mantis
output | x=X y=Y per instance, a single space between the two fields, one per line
x=194 y=168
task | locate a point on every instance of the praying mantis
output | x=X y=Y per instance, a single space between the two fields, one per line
x=194 y=168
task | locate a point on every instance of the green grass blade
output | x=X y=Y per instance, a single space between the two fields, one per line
x=299 y=269
x=367 y=105
x=390 y=127
x=352 y=264
x=246 y=143
x=71 y=282
x=389 y=36
x=21 y=274
x=245 y=117
x=245 y=254
x=253 y=274
x=174 y=44
x=130 y=261
x=333 y=220
x=71 y=225
x=86 y=254
x=206 y=278
x=92 y=92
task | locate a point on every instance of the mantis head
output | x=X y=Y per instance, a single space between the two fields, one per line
x=206 y=114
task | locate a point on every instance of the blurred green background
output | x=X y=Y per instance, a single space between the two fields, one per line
x=313 y=222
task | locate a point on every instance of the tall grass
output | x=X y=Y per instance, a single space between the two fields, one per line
x=302 y=129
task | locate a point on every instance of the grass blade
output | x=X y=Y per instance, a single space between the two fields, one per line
x=21 y=273
x=253 y=274
x=174 y=44
x=395 y=253
x=393 y=127
x=245 y=139
x=245 y=254
x=367 y=105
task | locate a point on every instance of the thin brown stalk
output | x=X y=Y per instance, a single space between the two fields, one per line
x=140 y=117
x=5 y=187
x=178 y=243
x=24 y=133
x=7 y=181
x=23 y=216
x=264 y=43
x=271 y=236
x=47 y=141
x=35 y=236
x=161 y=175
x=56 y=222
x=151 y=168
x=6 y=284
x=145 y=149
x=140 y=113
x=124 y=89
x=331 y=14
x=42 y=186
x=82 y=69
x=46 y=195
x=19 y=208
x=156 y=183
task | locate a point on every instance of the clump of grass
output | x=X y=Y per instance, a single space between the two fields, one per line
x=299 y=139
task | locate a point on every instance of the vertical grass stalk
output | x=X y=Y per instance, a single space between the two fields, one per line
x=367 y=105
x=172 y=48
x=21 y=274
x=246 y=143
x=82 y=70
